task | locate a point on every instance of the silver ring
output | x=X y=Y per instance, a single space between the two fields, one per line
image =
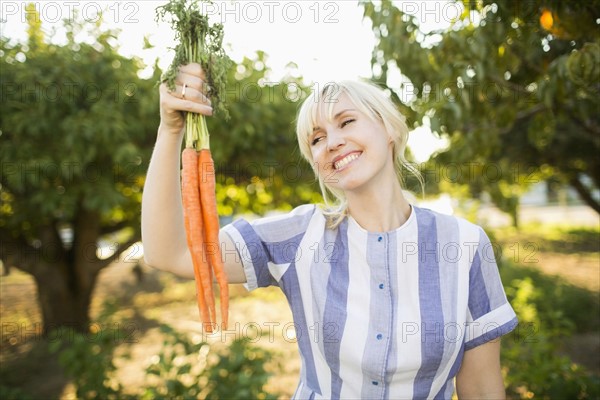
x=183 y=91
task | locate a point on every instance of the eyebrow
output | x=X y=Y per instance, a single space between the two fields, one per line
x=342 y=112
x=336 y=116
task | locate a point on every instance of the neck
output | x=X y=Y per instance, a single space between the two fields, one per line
x=381 y=211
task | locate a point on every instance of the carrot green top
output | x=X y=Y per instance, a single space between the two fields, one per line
x=199 y=42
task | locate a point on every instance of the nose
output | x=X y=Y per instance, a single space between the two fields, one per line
x=335 y=140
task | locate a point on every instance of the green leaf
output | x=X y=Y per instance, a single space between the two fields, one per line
x=520 y=72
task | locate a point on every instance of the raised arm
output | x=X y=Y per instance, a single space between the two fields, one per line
x=163 y=232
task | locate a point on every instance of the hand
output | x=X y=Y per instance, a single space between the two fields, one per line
x=193 y=99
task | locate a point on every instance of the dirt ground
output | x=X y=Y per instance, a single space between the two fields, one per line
x=581 y=270
x=160 y=297
x=144 y=304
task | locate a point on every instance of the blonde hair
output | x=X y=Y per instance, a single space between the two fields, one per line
x=373 y=102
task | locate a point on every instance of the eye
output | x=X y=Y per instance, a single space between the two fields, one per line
x=346 y=122
x=316 y=140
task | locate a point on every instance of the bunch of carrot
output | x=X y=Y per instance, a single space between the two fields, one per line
x=201 y=42
x=202 y=229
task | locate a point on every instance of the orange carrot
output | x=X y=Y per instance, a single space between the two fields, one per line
x=211 y=228
x=192 y=213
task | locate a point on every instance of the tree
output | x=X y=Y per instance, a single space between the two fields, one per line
x=77 y=126
x=514 y=85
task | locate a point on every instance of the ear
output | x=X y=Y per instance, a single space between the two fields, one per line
x=392 y=146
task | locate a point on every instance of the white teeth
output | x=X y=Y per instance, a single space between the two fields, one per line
x=346 y=160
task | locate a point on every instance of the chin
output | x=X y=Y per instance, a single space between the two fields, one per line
x=348 y=184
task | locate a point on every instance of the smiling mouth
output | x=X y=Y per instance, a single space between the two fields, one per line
x=340 y=164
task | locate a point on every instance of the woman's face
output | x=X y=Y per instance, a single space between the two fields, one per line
x=351 y=152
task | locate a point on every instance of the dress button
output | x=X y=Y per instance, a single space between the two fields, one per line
x=379 y=336
x=381 y=286
x=375 y=383
x=380 y=238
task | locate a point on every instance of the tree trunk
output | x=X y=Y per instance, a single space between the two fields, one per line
x=65 y=277
x=65 y=290
x=62 y=305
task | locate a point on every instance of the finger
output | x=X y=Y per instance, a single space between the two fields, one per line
x=193 y=81
x=164 y=90
x=188 y=94
x=170 y=101
x=194 y=69
x=190 y=106
x=195 y=95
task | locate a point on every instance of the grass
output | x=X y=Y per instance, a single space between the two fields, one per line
x=552 y=238
x=561 y=288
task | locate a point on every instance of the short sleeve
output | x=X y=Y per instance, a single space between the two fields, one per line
x=489 y=315
x=267 y=246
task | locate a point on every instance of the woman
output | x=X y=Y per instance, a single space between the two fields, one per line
x=389 y=300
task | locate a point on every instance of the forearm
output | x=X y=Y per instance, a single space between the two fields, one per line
x=163 y=233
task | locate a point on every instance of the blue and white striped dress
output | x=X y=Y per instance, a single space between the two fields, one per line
x=378 y=315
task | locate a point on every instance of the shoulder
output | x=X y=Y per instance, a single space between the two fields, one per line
x=299 y=215
x=451 y=225
x=282 y=225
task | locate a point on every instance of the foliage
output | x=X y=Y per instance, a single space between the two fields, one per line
x=239 y=373
x=87 y=358
x=513 y=85
x=90 y=364
x=184 y=369
x=177 y=370
x=9 y=393
x=76 y=130
x=75 y=121
x=531 y=353
x=549 y=310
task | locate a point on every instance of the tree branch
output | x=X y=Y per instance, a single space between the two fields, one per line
x=532 y=111
x=523 y=115
x=592 y=129
x=585 y=194
x=122 y=247
x=525 y=60
x=16 y=252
